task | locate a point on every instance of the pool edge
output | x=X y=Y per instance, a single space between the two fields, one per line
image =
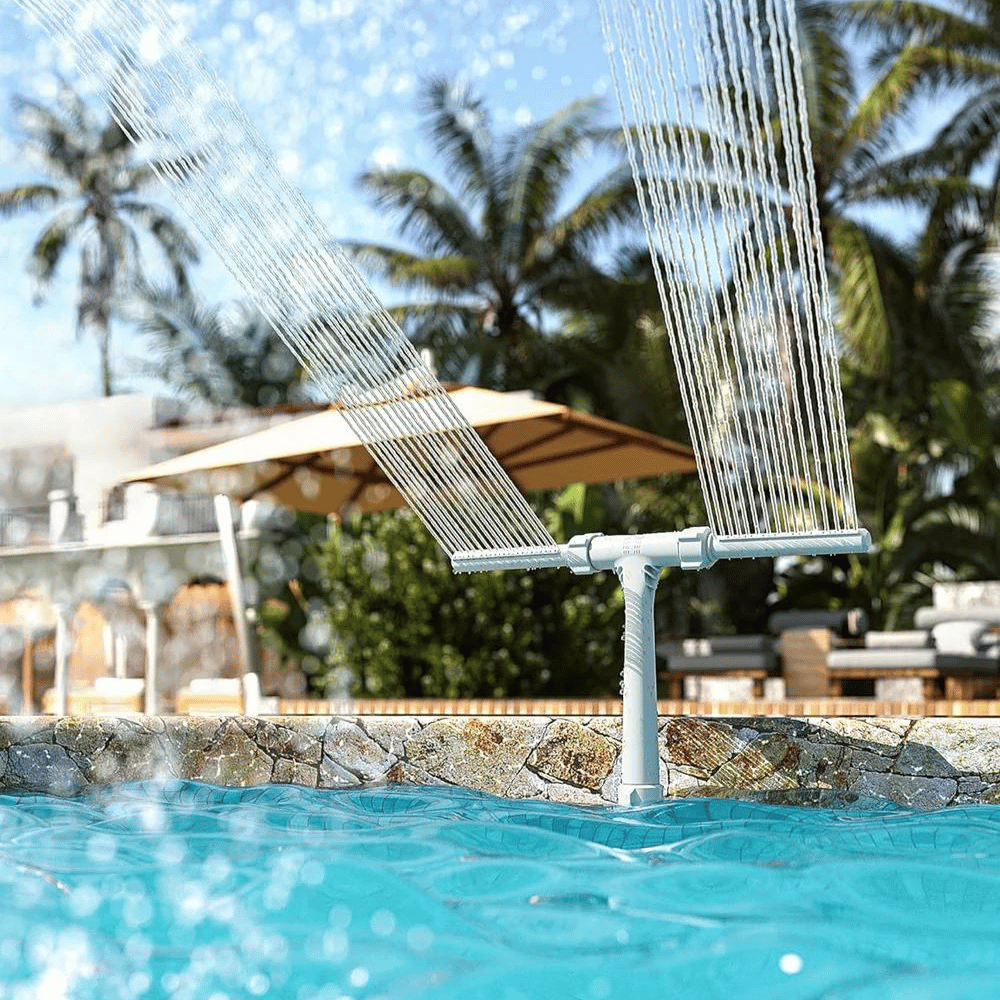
x=915 y=761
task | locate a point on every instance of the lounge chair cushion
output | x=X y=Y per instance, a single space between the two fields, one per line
x=719 y=644
x=910 y=659
x=909 y=639
x=928 y=617
x=722 y=662
x=741 y=643
x=959 y=636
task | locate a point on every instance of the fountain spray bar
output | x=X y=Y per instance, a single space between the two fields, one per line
x=693 y=548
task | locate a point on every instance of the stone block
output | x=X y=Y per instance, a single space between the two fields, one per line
x=229 y=757
x=295 y=772
x=134 y=752
x=908 y=790
x=389 y=733
x=330 y=774
x=572 y=795
x=404 y=773
x=953 y=746
x=877 y=733
x=573 y=755
x=485 y=754
x=703 y=744
x=682 y=782
x=609 y=726
x=44 y=767
x=302 y=740
x=768 y=763
x=84 y=734
x=857 y=760
x=351 y=748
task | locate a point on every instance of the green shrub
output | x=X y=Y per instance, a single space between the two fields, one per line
x=401 y=623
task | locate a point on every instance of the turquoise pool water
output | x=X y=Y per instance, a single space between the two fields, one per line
x=185 y=890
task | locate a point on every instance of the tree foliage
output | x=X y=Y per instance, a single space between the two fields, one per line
x=94 y=191
x=225 y=355
x=496 y=245
x=401 y=623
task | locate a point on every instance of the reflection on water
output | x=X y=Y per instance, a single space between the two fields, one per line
x=186 y=890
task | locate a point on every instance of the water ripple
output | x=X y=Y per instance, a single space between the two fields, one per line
x=185 y=890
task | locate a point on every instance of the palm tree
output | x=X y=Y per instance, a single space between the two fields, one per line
x=856 y=165
x=496 y=254
x=225 y=355
x=93 y=192
x=921 y=49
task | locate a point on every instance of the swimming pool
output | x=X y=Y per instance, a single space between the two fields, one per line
x=184 y=890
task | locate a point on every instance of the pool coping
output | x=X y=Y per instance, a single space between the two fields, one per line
x=918 y=761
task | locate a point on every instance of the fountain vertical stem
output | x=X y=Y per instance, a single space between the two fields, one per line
x=640 y=758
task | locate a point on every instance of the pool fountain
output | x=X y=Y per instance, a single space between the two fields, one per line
x=751 y=333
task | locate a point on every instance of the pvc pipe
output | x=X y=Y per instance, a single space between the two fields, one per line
x=640 y=758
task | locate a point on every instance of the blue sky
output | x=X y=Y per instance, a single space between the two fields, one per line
x=331 y=86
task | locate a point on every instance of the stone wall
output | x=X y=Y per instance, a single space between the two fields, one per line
x=925 y=763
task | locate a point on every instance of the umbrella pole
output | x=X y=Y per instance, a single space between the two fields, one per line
x=234 y=577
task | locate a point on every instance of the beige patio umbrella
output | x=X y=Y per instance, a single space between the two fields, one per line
x=317 y=463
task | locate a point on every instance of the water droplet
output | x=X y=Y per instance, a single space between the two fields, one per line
x=790 y=964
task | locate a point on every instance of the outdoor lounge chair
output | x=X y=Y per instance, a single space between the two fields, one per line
x=957 y=657
x=106 y=696
x=220 y=696
x=730 y=656
x=755 y=657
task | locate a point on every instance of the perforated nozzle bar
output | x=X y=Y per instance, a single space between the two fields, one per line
x=523 y=558
x=693 y=548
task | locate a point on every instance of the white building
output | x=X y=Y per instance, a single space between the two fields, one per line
x=71 y=535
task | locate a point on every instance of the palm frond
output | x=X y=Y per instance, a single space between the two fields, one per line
x=971 y=133
x=887 y=100
x=75 y=108
x=449 y=275
x=540 y=161
x=866 y=262
x=458 y=124
x=889 y=186
x=27 y=198
x=898 y=23
x=140 y=176
x=429 y=214
x=48 y=249
x=609 y=205
x=61 y=148
x=828 y=72
x=178 y=248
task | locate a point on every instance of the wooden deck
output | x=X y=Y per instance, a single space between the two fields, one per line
x=790 y=707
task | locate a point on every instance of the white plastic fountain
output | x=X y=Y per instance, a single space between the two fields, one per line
x=730 y=213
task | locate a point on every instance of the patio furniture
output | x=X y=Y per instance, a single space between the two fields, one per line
x=957 y=657
x=805 y=638
x=106 y=696
x=220 y=696
x=728 y=656
x=756 y=657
